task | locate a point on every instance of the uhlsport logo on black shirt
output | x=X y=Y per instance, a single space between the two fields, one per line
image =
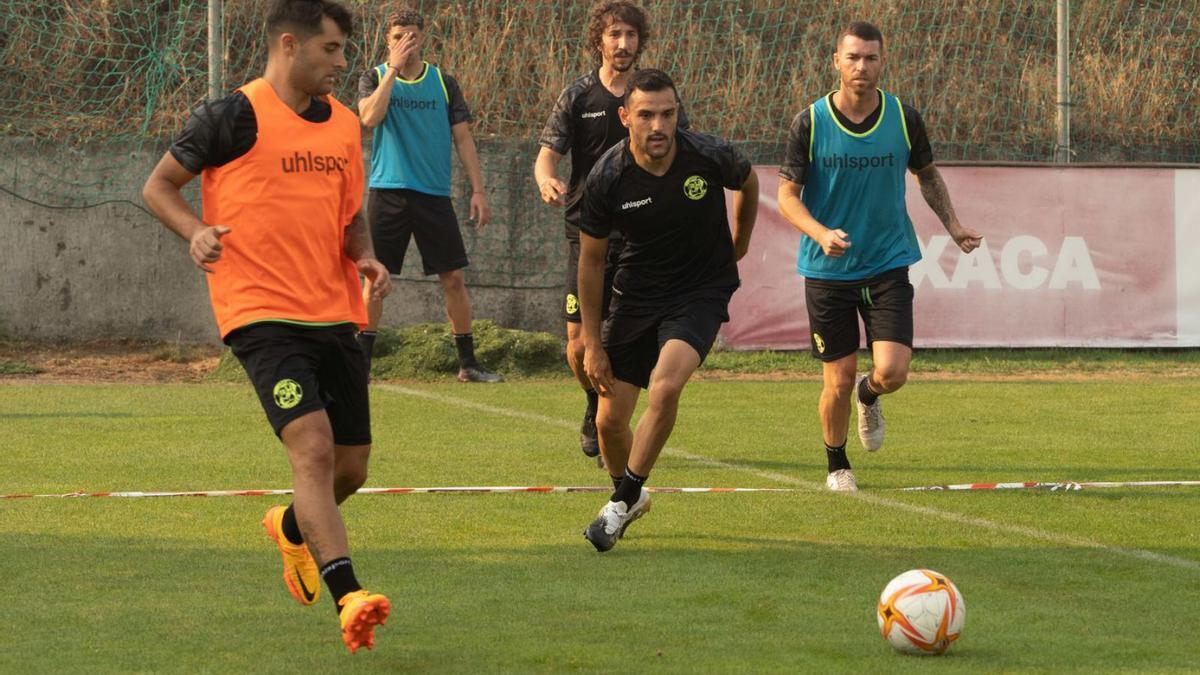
x=844 y=161
x=310 y=163
x=593 y=114
x=636 y=204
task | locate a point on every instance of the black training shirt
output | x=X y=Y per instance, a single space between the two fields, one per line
x=795 y=159
x=585 y=124
x=677 y=237
x=220 y=131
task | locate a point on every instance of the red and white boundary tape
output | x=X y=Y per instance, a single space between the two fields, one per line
x=1066 y=486
x=561 y=489
x=401 y=491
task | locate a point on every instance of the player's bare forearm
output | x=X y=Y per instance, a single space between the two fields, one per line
x=546 y=166
x=164 y=197
x=373 y=108
x=794 y=210
x=745 y=212
x=591 y=285
x=937 y=195
x=464 y=142
x=545 y=172
x=358 y=239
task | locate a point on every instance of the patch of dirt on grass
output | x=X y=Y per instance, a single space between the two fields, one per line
x=111 y=361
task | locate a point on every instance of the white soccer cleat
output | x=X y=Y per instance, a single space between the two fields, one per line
x=871 y=424
x=613 y=520
x=841 y=480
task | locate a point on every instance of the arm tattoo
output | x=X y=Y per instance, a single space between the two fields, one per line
x=358 y=239
x=933 y=188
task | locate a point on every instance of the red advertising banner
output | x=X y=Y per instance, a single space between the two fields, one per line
x=1071 y=257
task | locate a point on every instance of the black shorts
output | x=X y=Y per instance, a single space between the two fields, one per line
x=634 y=336
x=571 y=300
x=300 y=369
x=884 y=301
x=397 y=216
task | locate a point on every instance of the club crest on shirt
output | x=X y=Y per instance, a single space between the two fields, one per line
x=695 y=187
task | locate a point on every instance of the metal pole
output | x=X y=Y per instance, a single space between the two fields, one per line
x=1062 y=148
x=215 y=50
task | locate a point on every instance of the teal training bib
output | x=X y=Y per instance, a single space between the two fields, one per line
x=855 y=183
x=412 y=145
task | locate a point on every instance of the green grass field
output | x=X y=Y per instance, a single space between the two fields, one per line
x=1100 y=580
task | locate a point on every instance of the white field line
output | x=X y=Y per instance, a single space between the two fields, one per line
x=867 y=497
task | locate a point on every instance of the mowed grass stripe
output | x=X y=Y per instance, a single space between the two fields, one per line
x=870 y=498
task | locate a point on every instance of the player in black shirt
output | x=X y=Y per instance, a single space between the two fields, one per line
x=585 y=124
x=663 y=190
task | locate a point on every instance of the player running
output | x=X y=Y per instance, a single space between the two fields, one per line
x=283 y=243
x=585 y=123
x=843 y=187
x=663 y=189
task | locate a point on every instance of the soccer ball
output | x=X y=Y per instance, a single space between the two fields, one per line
x=921 y=612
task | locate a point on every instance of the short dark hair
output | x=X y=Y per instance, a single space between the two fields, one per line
x=604 y=14
x=303 y=17
x=649 y=79
x=863 y=30
x=405 y=16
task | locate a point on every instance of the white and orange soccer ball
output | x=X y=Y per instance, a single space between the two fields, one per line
x=921 y=612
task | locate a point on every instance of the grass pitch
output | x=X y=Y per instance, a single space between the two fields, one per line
x=1102 y=580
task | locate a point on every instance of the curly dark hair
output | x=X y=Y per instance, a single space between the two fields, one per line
x=405 y=16
x=605 y=13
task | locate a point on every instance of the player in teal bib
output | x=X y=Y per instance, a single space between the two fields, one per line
x=419 y=115
x=842 y=184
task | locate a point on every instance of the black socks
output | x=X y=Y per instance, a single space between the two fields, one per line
x=339 y=577
x=465 y=343
x=593 y=401
x=837 y=457
x=291 y=529
x=629 y=490
x=865 y=394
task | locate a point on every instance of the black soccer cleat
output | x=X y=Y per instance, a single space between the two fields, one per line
x=477 y=374
x=588 y=441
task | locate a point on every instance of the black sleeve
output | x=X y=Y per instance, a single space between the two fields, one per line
x=596 y=212
x=217 y=133
x=735 y=168
x=368 y=83
x=795 y=155
x=920 y=154
x=457 y=108
x=559 y=133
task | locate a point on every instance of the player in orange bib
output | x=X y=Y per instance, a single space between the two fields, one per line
x=283 y=242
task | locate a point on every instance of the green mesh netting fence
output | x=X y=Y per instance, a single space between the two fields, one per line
x=91 y=90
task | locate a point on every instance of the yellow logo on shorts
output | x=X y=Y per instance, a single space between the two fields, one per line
x=695 y=187
x=288 y=394
x=819 y=342
x=572 y=304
